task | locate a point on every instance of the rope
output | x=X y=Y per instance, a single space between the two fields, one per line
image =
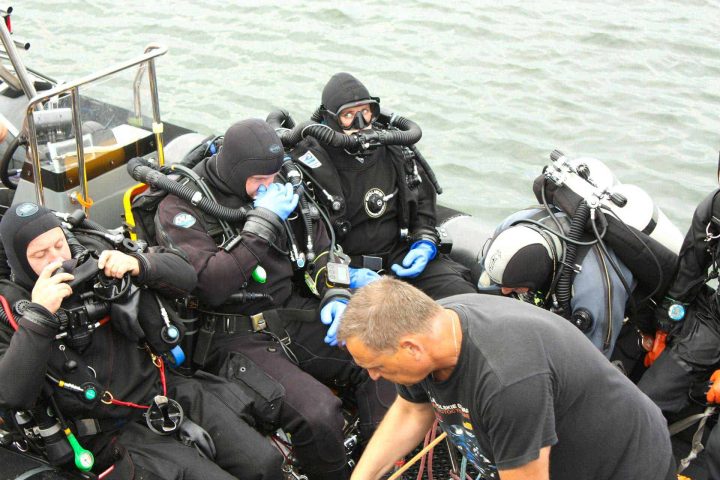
x=417 y=457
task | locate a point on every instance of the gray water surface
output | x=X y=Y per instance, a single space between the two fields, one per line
x=496 y=86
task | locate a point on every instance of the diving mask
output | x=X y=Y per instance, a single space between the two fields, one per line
x=357 y=115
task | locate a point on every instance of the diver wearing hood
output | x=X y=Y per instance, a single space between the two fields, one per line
x=524 y=259
x=289 y=355
x=99 y=382
x=384 y=209
x=690 y=317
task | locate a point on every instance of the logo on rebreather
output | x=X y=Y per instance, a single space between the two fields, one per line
x=375 y=203
x=26 y=209
x=275 y=148
x=184 y=220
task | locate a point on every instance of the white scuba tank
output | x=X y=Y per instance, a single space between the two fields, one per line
x=642 y=213
x=598 y=182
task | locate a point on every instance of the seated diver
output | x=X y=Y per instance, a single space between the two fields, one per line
x=383 y=197
x=574 y=246
x=685 y=359
x=272 y=329
x=80 y=363
x=525 y=259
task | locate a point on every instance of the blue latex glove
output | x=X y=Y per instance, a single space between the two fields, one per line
x=416 y=259
x=331 y=314
x=359 y=277
x=279 y=199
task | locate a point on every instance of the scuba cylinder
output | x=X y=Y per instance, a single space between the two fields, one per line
x=642 y=213
x=589 y=178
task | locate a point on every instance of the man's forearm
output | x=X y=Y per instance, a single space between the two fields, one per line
x=402 y=429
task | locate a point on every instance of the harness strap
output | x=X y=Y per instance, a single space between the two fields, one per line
x=375 y=262
x=85 y=427
x=697 y=445
x=274 y=321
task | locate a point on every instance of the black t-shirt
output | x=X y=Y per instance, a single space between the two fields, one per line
x=527 y=379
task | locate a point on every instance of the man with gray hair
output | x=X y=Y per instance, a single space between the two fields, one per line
x=519 y=391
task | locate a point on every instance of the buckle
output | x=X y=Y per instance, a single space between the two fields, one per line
x=258 y=322
x=373 y=263
x=209 y=323
x=230 y=324
x=87 y=426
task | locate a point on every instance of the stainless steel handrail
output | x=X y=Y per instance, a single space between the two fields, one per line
x=137 y=104
x=18 y=65
x=153 y=51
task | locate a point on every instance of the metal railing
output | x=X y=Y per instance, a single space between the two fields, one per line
x=146 y=61
x=21 y=80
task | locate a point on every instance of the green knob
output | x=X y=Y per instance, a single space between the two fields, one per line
x=259 y=274
x=90 y=394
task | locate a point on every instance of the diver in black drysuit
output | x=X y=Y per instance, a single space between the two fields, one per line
x=388 y=205
x=288 y=362
x=693 y=341
x=115 y=363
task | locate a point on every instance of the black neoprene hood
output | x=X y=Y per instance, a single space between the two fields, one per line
x=530 y=267
x=251 y=147
x=20 y=225
x=342 y=89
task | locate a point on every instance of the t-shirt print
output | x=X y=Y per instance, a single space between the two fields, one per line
x=455 y=421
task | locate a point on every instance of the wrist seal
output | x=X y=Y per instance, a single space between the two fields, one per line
x=424 y=233
x=334 y=294
x=40 y=320
x=263 y=223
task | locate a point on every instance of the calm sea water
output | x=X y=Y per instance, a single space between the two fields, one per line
x=496 y=86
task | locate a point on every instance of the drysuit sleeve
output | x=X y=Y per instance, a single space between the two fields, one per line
x=220 y=273
x=695 y=257
x=424 y=217
x=167 y=271
x=23 y=362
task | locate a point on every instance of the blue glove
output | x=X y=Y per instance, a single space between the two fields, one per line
x=279 y=199
x=416 y=259
x=331 y=314
x=359 y=277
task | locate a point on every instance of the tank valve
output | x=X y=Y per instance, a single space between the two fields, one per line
x=584 y=171
x=618 y=199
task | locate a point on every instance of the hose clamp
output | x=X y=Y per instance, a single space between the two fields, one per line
x=195 y=199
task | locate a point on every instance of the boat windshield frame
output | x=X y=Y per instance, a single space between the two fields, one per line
x=145 y=63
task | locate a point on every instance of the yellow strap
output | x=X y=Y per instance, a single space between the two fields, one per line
x=82 y=201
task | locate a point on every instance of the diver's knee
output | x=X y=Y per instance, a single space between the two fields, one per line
x=267 y=463
x=325 y=415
